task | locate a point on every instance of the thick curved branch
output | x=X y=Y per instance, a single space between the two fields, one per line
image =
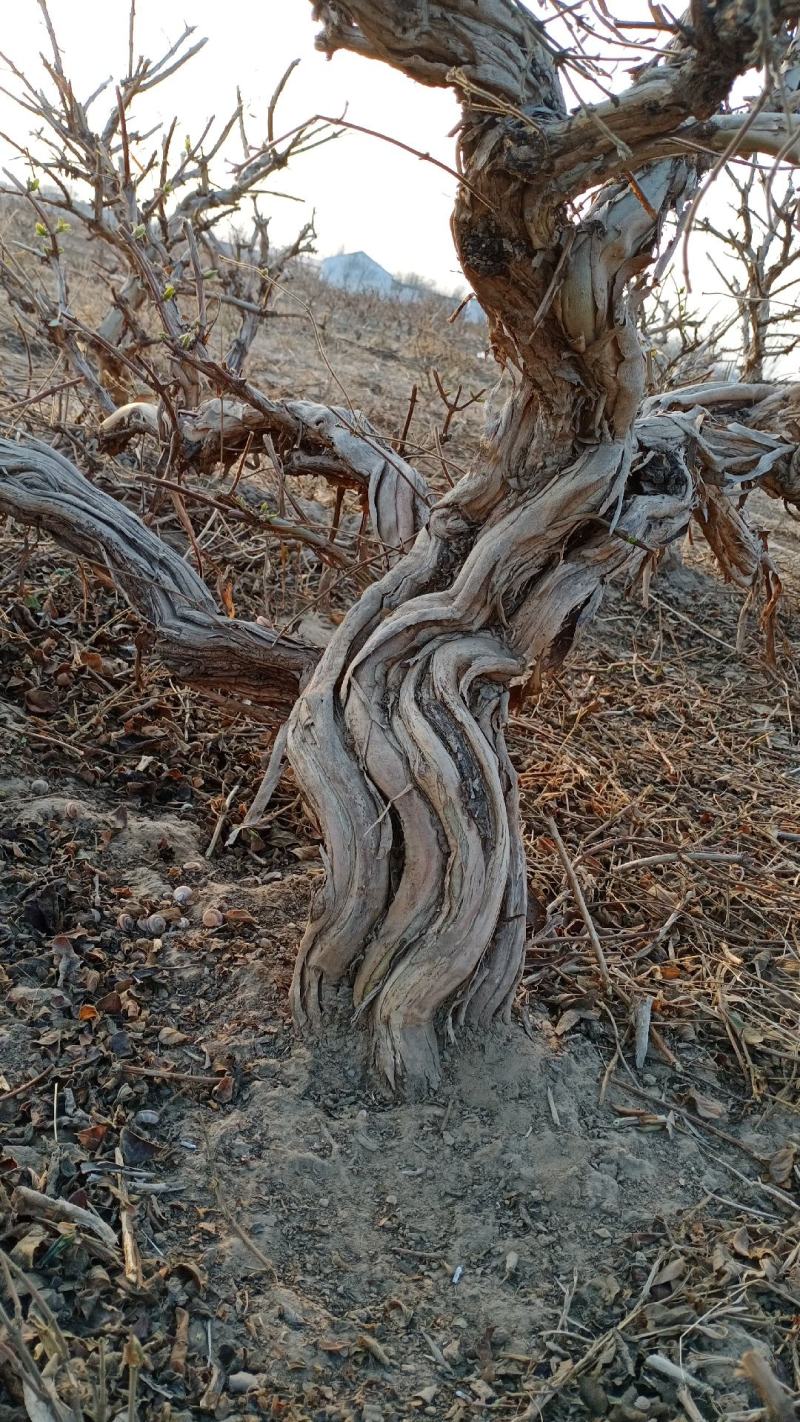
x=41 y=488
x=496 y=45
x=770 y=134
x=328 y=441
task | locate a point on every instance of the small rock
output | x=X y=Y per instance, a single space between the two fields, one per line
x=482 y=1390
x=243 y=1382
x=512 y=1260
x=594 y=1396
x=39 y=787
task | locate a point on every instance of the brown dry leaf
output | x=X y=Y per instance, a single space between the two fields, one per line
x=136 y=1149
x=706 y=1106
x=568 y=1019
x=41 y=701
x=25 y=1249
x=172 y=1037
x=225 y=589
x=740 y=1243
x=781 y=1165
x=177 y=1358
x=92 y=660
x=223 y=1091
x=92 y=1136
x=87 y=1013
x=675 y=1269
x=333 y=1345
x=238 y=915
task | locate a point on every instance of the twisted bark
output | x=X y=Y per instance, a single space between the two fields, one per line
x=336 y=444
x=41 y=488
x=398 y=738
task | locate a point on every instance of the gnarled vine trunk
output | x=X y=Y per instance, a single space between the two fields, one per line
x=398 y=739
x=397 y=731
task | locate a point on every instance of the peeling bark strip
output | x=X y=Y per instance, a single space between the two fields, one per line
x=398 y=738
x=41 y=488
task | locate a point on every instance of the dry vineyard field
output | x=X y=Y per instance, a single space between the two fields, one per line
x=202 y=1217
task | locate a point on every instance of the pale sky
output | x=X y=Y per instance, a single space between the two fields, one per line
x=368 y=195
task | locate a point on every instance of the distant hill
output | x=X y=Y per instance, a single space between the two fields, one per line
x=356 y=271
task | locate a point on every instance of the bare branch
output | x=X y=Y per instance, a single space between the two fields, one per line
x=43 y=489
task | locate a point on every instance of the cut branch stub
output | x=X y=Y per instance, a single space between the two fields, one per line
x=41 y=488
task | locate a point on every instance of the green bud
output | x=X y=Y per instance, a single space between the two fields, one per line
x=140 y=231
x=41 y=230
x=168 y=292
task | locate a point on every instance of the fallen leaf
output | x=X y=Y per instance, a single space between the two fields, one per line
x=172 y=1037
x=238 y=915
x=92 y=1136
x=781 y=1165
x=706 y=1106
x=223 y=1091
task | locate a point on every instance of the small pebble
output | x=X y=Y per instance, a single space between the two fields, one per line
x=147 y=1118
x=243 y=1382
x=39 y=787
x=212 y=918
